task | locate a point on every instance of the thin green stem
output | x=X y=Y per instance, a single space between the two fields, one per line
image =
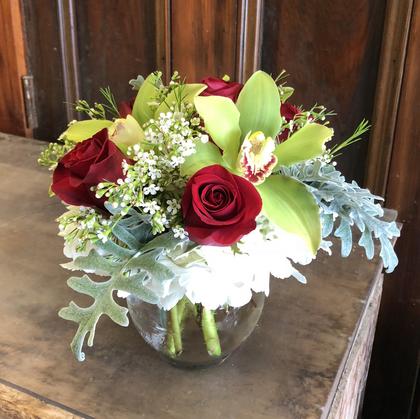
x=176 y=329
x=211 y=337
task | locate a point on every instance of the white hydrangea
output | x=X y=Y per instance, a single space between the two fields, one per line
x=228 y=277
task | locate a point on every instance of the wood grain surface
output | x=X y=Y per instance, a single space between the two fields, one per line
x=388 y=93
x=204 y=38
x=116 y=42
x=17 y=404
x=288 y=368
x=331 y=51
x=396 y=360
x=12 y=68
x=44 y=60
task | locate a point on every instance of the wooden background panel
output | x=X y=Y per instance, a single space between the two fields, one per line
x=331 y=51
x=44 y=57
x=116 y=42
x=12 y=68
x=396 y=355
x=204 y=37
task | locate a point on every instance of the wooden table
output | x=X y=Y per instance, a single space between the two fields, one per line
x=308 y=357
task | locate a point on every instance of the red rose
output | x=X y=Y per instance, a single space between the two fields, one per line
x=218 y=207
x=288 y=112
x=219 y=87
x=92 y=161
x=126 y=108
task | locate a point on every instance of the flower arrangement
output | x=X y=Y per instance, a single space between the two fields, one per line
x=193 y=194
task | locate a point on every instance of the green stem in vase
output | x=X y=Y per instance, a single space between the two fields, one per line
x=171 y=345
x=211 y=337
x=175 y=331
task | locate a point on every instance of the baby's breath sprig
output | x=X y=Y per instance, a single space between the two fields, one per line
x=153 y=183
x=54 y=151
x=318 y=113
x=97 y=111
x=82 y=226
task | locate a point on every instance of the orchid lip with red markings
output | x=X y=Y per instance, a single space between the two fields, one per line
x=256 y=159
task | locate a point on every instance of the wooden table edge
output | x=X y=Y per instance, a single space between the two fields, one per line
x=18 y=402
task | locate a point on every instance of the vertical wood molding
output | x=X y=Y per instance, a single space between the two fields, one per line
x=249 y=37
x=13 y=67
x=163 y=37
x=69 y=55
x=388 y=91
x=394 y=370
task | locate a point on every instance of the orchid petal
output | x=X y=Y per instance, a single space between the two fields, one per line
x=221 y=119
x=259 y=105
x=289 y=205
x=82 y=130
x=304 y=144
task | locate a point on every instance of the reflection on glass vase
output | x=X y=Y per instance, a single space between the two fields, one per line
x=189 y=335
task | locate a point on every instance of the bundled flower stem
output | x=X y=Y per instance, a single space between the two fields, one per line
x=205 y=320
x=211 y=337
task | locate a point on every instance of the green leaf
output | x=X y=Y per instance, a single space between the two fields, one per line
x=93 y=262
x=205 y=155
x=148 y=263
x=82 y=130
x=259 y=105
x=289 y=205
x=112 y=248
x=142 y=109
x=221 y=119
x=165 y=241
x=126 y=237
x=127 y=275
x=88 y=317
x=285 y=93
x=133 y=285
x=304 y=144
x=184 y=93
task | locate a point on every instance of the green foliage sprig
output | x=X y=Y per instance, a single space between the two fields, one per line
x=54 y=152
x=99 y=110
x=129 y=262
x=362 y=128
x=349 y=204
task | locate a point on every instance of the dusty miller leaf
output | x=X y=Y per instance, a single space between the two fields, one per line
x=352 y=205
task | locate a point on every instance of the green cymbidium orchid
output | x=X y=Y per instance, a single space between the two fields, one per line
x=125 y=132
x=246 y=130
x=82 y=130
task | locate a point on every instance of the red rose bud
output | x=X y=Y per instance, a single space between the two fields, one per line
x=92 y=161
x=219 y=208
x=288 y=112
x=126 y=108
x=220 y=87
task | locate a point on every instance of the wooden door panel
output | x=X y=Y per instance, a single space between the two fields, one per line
x=396 y=354
x=331 y=51
x=44 y=58
x=116 y=42
x=204 y=37
x=12 y=68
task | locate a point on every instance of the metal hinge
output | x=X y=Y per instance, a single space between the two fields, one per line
x=29 y=97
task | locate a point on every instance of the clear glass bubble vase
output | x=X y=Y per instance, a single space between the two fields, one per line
x=191 y=336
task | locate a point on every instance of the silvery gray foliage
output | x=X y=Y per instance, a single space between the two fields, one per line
x=137 y=82
x=128 y=258
x=351 y=205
